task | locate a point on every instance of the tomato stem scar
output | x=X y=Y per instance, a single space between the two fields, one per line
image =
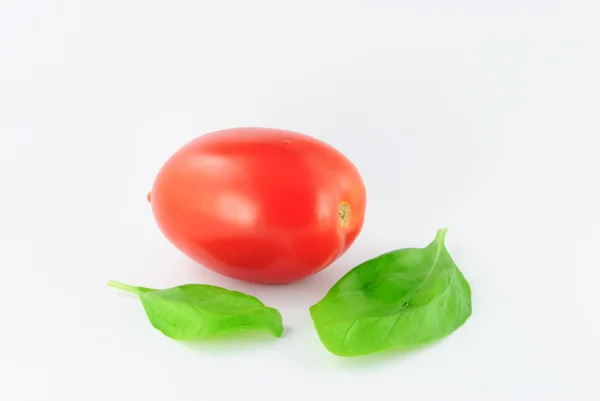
x=344 y=213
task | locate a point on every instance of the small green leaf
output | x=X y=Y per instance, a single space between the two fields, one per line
x=197 y=311
x=399 y=300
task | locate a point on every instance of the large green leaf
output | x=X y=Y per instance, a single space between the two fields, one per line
x=196 y=311
x=401 y=299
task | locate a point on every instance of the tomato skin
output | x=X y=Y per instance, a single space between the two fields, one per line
x=259 y=204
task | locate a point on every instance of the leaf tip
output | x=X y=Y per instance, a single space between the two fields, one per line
x=441 y=235
x=276 y=323
x=278 y=331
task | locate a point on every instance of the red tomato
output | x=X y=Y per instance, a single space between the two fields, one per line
x=258 y=204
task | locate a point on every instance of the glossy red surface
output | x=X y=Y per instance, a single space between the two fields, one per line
x=259 y=204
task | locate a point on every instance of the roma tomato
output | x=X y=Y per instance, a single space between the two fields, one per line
x=258 y=204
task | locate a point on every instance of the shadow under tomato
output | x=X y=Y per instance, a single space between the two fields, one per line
x=320 y=283
x=299 y=294
x=262 y=259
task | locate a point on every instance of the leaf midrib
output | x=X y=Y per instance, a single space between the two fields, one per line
x=429 y=273
x=435 y=262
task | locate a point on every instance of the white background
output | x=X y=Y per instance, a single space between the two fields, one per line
x=477 y=115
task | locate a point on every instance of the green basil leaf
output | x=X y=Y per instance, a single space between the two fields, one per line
x=399 y=300
x=197 y=311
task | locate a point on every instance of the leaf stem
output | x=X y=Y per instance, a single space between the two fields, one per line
x=128 y=288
